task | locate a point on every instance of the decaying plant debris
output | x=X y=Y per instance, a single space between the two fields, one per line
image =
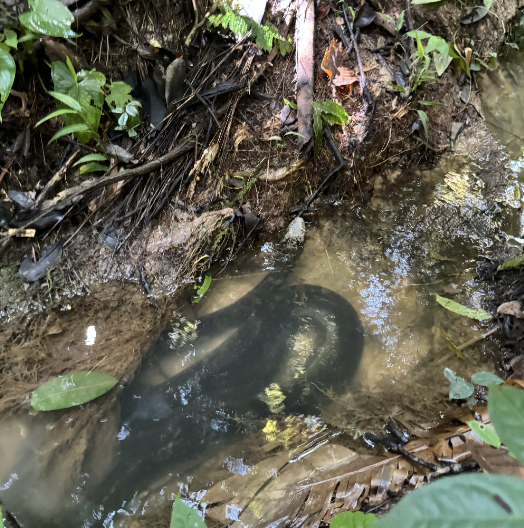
x=221 y=150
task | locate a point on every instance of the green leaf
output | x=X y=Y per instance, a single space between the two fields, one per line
x=455 y=307
x=506 y=411
x=70 y=129
x=71 y=68
x=424 y=119
x=290 y=103
x=462 y=501
x=400 y=21
x=437 y=43
x=93 y=167
x=352 y=520
x=183 y=516
x=119 y=94
x=441 y=62
x=486 y=378
x=420 y=34
x=67 y=100
x=11 y=38
x=274 y=138
x=512 y=263
x=27 y=37
x=332 y=112
x=420 y=47
x=422 y=2
x=48 y=17
x=7 y=76
x=55 y=114
x=1 y=518
x=486 y=433
x=488 y=4
x=86 y=89
x=459 y=388
x=201 y=290
x=91 y=157
x=71 y=390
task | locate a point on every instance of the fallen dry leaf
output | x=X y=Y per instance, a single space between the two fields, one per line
x=511 y=308
x=322 y=10
x=335 y=65
x=496 y=461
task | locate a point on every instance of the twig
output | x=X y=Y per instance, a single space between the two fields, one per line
x=341 y=165
x=90 y=185
x=198 y=25
x=204 y=102
x=7 y=166
x=409 y=24
x=55 y=179
x=86 y=12
x=363 y=86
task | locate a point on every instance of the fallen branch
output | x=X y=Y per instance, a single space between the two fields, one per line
x=363 y=86
x=55 y=179
x=304 y=38
x=68 y=195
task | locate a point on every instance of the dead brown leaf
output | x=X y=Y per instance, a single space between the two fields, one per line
x=497 y=461
x=335 y=64
x=323 y=10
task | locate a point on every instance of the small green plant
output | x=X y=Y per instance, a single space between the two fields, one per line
x=45 y=17
x=201 y=290
x=80 y=101
x=265 y=35
x=330 y=112
x=183 y=516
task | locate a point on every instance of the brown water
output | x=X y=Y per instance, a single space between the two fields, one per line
x=187 y=421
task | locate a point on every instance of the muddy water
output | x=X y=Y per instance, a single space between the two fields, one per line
x=289 y=346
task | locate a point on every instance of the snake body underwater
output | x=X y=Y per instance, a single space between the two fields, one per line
x=169 y=423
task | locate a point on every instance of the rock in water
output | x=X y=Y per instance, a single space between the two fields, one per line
x=175 y=76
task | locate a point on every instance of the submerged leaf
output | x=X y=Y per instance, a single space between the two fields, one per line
x=506 y=411
x=351 y=519
x=71 y=390
x=485 y=432
x=183 y=516
x=486 y=378
x=462 y=501
x=459 y=388
x=458 y=308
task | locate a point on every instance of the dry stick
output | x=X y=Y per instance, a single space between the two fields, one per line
x=363 y=86
x=341 y=165
x=7 y=166
x=55 y=179
x=202 y=22
x=90 y=185
x=203 y=101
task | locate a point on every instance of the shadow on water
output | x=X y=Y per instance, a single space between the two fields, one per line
x=344 y=329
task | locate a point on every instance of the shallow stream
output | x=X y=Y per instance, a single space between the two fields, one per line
x=290 y=346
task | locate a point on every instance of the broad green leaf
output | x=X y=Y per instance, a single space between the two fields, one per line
x=27 y=37
x=1 y=518
x=67 y=100
x=121 y=102
x=485 y=432
x=119 y=94
x=7 y=76
x=86 y=89
x=512 y=263
x=71 y=390
x=457 y=308
x=424 y=119
x=93 y=167
x=441 y=62
x=488 y=4
x=352 y=520
x=459 y=388
x=91 y=157
x=400 y=21
x=439 y=44
x=486 y=378
x=418 y=33
x=332 y=112
x=55 y=114
x=183 y=516
x=506 y=411
x=462 y=501
x=70 y=129
x=11 y=38
x=48 y=17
